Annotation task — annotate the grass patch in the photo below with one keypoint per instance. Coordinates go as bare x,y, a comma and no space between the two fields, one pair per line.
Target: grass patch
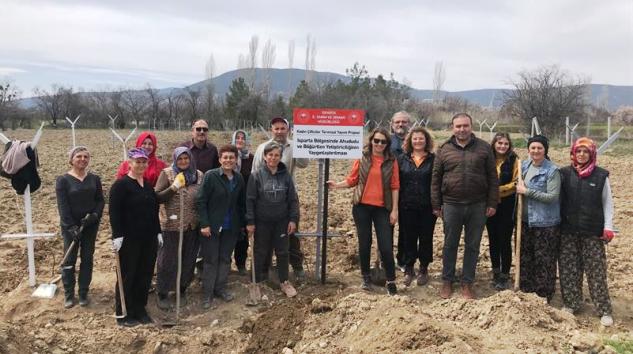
621,346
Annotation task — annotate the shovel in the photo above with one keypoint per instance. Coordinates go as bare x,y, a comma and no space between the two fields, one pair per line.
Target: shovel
378,274
119,278
48,290
254,293
179,271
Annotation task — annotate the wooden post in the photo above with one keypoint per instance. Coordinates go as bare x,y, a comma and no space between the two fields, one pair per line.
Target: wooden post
517,243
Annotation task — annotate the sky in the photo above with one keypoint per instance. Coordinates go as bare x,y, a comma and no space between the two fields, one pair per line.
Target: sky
101,44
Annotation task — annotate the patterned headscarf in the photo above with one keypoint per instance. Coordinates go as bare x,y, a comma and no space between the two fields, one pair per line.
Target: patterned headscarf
191,175
243,153
585,169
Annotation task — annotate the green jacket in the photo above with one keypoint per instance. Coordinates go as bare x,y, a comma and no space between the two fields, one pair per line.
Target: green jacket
215,198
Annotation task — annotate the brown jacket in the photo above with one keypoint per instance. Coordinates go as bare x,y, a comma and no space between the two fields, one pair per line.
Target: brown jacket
464,175
171,200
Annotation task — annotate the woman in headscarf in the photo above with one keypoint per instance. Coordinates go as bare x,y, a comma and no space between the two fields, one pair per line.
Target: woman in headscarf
136,235
146,141
501,225
180,180
586,226
243,166
541,218
80,202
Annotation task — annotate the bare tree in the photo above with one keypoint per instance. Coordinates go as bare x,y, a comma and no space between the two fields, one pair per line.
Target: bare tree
268,60
252,61
549,94
439,77
51,102
192,102
174,107
154,105
291,59
136,102
8,96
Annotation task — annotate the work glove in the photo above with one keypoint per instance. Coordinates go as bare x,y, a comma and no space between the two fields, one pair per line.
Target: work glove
179,182
117,243
607,235
90,219
74,232
159,237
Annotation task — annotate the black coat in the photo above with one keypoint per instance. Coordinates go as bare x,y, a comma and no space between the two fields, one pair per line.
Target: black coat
415,182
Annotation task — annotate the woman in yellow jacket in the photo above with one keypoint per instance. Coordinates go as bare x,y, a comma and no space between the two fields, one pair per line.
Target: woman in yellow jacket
501,225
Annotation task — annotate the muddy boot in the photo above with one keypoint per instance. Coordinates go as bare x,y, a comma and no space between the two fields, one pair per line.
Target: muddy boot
447,289
467,291
69,300
423,276
366,284
391,288
163,302
503,283
241,270
288,289
496,273
83,299
409,275
207,302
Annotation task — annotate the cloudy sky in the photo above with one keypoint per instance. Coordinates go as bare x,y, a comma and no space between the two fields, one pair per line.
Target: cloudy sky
100,44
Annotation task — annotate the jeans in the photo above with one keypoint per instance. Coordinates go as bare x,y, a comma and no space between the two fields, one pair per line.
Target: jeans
269,236
500,228
472,218
86,249
216,254
364,215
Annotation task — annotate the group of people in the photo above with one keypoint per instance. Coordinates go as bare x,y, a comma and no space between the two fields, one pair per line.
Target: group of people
470,184
221,198
217,199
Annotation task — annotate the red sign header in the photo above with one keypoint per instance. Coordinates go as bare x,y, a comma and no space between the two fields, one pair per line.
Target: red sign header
325,116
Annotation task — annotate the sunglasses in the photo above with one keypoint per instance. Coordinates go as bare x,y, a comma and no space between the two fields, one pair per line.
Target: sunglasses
379,141
202,129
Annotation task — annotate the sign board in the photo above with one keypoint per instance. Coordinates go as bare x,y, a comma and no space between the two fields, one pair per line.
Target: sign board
328,133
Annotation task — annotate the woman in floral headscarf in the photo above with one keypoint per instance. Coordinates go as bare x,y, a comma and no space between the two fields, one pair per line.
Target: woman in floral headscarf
586,226
243,166
146,141
179,179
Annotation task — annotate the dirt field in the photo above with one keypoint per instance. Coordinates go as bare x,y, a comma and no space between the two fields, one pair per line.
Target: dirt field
334,318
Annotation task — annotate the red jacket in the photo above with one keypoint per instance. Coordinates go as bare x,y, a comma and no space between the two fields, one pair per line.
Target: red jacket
154,165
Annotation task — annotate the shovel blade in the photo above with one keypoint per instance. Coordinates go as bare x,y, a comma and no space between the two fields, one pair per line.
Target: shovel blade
254,295
45,291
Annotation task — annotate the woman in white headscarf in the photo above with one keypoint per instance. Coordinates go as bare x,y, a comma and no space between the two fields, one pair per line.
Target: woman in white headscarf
244,164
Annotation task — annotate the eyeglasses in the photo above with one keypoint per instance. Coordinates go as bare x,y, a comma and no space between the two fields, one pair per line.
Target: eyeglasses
379,141
202,129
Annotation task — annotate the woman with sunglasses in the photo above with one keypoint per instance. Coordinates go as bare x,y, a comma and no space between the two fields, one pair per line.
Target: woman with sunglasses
146,141
586,226
376,180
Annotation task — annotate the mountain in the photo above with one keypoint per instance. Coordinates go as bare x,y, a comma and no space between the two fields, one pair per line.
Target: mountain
284,82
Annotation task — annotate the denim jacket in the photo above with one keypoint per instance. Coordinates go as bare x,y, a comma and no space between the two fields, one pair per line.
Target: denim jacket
543,207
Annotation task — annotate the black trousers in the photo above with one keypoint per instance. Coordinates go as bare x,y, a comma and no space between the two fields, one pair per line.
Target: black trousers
241,250
500,228
364,216
86,250
269,236
137,256
216,255
416,232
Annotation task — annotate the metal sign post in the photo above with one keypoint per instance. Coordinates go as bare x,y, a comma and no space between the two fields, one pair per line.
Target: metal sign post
72,126
536,128
113,126
491,128
30,235
609,141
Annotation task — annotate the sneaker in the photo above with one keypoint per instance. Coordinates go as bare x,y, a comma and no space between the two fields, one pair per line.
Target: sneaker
163,302
225,295
69,301
145,319
606,320
423,276
207,302
391,288
567,309
402,267
288,289
83,300
409,275
127,322
366,284
502,282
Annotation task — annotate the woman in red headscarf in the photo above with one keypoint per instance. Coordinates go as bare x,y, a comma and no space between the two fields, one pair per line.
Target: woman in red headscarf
586,226
147,142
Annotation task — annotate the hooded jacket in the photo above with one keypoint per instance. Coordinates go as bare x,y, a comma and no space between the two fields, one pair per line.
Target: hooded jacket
271,197
154,165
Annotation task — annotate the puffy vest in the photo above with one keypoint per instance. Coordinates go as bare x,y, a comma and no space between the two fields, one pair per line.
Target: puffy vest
386,173
581,201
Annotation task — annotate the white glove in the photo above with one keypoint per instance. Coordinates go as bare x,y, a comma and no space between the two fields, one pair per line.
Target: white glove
159,237
117,243
179,182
